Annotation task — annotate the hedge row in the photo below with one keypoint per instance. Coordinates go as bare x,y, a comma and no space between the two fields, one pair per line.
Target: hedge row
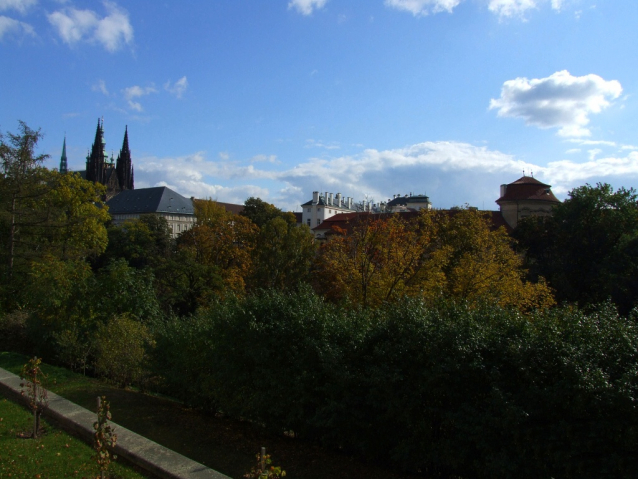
448,391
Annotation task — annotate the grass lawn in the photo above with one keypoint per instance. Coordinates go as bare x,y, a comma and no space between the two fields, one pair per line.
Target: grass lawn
226,445
54,454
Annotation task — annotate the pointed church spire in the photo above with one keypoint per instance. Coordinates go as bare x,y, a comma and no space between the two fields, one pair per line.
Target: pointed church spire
63,162
125,164
96,159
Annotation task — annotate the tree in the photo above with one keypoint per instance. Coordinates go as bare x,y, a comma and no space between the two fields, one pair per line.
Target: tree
260,212
21,185
142,242
588,248
223,241
483,266
429,254
122,345
378,260
283,255
43,213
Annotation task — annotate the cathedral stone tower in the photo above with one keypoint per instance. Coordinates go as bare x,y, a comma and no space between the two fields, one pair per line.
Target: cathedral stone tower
124,166
116,176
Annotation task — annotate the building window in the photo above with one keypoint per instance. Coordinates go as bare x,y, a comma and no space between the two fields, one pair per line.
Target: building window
308,221
309,210
329,212
318,222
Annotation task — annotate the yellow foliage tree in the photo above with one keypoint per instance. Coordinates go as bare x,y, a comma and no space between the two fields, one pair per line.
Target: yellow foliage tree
432,254
222,240
378,259
482,266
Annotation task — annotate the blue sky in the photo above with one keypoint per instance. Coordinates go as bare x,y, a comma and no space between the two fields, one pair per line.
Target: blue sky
227,99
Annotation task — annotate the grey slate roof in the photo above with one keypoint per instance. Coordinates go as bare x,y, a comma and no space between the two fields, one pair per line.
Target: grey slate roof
159,199
403,200
321,202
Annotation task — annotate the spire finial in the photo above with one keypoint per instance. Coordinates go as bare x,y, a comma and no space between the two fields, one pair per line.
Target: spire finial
63,160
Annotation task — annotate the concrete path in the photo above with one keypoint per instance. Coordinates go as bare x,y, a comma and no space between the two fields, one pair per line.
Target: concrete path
146,454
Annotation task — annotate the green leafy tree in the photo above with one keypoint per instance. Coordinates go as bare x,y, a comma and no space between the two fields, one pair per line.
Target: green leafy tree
588,248
20,188
142,242
261,212
283,255
122,346
43,214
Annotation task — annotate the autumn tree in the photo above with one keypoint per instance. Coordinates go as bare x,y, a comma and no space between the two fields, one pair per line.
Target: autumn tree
382,258
481,264
376,259
222,241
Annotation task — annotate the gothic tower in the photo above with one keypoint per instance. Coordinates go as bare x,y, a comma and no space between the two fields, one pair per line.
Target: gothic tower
116,176
124,165
96,160
64,167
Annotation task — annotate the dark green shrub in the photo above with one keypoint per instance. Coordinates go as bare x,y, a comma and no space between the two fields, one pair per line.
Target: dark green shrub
446,390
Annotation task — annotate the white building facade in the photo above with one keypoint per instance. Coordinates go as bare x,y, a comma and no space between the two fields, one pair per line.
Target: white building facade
322,207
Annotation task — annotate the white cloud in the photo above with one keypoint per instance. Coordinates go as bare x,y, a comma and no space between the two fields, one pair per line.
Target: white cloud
571,151
310,143
178,88
511,8
502,8
306,7
19,5
264,159
566,174
10,26
592,142
133,92
518,8
423,7
558,101
557,4
101,87
111,31
594,153
450,173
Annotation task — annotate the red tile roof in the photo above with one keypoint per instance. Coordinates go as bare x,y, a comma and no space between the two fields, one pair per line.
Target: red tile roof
347,221
528,188
231,208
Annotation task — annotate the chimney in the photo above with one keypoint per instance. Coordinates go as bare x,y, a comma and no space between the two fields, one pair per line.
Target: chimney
503,190
330,199
315,197
338,198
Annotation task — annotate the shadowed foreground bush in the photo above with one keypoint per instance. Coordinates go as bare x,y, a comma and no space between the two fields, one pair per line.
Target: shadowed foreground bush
479,393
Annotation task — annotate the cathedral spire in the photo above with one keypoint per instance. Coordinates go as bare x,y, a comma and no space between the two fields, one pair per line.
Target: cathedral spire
96,159
63,161
125,164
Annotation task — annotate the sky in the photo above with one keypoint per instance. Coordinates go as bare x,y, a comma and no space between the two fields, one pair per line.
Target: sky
228,99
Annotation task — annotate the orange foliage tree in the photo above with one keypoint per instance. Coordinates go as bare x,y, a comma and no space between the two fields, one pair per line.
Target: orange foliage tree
432,254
